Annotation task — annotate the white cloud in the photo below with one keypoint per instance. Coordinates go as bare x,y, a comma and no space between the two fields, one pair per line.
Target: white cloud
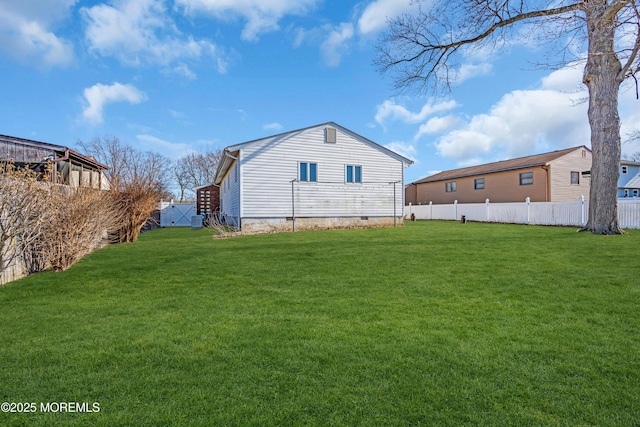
523,122
184,70
99,95
437,125
26,34
140,32
336,43
403,148
262,16
375,15
166,148
390,110
468,71
272,126
629,118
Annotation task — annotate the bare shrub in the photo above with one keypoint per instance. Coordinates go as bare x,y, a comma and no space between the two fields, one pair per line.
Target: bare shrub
77,224
219,229
22,201
138,181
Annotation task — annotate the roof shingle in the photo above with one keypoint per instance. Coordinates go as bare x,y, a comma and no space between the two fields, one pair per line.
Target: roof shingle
504,165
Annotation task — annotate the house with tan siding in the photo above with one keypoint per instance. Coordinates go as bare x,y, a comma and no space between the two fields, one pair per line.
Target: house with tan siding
549,177
323,176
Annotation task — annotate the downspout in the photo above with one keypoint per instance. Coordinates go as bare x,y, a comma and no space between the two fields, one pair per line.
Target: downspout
547,190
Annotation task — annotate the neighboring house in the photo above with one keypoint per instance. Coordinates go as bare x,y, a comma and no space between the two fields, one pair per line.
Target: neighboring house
629,182
207,199
548,177
71,167
323,176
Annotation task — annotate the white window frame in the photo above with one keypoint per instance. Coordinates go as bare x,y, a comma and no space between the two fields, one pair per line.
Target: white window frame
353,177
307,167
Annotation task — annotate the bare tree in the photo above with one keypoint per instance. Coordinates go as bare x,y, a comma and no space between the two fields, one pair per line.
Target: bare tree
181,175
138,180
422,49
196,169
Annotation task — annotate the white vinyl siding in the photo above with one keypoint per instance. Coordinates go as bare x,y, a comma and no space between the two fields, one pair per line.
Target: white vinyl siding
270,167
230,196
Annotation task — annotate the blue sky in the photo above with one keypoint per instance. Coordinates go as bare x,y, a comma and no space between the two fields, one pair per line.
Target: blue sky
178,75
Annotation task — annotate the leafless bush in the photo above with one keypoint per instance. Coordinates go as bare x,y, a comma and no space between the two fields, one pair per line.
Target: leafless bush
137,180
219,229
77,225
22,201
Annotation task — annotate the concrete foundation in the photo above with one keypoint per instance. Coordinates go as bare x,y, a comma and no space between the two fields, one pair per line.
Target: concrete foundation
252,225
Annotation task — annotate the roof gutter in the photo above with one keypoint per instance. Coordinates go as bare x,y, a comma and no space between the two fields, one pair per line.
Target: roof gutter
223,167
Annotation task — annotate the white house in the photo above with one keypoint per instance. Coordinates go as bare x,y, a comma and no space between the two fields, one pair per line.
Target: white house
323,176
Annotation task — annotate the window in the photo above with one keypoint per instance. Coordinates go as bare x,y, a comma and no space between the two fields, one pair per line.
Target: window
353,173
626,193
526,178
478,184
308,172
450,187
635,193
624,169
575,178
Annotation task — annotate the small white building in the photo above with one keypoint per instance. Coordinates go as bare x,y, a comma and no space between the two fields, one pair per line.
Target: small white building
323,176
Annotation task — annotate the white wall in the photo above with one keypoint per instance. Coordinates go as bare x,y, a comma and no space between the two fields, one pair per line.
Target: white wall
230,195
269,166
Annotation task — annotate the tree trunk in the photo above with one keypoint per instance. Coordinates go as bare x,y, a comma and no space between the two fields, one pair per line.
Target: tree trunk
602,77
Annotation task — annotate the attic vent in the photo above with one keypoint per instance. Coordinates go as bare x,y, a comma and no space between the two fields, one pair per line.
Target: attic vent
330,135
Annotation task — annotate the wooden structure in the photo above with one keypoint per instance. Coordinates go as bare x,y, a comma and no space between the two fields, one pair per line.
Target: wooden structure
71,168
207,200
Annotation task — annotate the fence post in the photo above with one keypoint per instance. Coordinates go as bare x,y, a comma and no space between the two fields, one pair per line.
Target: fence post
455,210
528,207
486,202
582,210
430,210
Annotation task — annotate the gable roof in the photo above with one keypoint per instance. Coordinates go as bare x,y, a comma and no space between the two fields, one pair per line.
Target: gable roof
231,152
633,182
501,166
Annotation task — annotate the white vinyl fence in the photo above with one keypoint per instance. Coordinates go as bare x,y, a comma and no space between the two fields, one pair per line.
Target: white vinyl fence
176,214
535,213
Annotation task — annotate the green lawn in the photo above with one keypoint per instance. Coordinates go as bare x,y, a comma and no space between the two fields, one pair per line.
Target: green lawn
434,323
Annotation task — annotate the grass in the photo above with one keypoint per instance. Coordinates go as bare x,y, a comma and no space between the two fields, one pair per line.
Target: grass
434,323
